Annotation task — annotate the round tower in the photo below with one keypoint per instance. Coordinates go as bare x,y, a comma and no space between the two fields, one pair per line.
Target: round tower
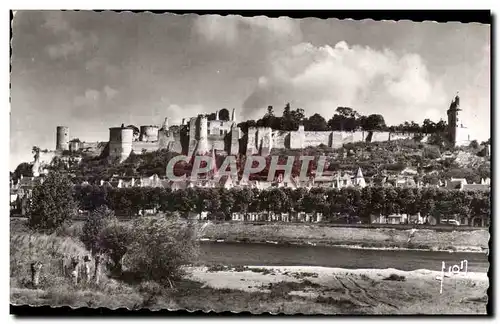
120,142
203,140
62,138
457,133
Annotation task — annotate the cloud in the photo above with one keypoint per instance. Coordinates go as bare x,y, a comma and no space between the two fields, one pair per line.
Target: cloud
69,40
110,92
176,113
319,79
90,97
229,30
93,97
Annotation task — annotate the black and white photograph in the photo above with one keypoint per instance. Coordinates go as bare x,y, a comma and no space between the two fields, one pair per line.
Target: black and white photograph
254,164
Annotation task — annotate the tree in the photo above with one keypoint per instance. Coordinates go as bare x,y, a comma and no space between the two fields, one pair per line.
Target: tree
428,126
93,226
52,203
374,122
114,240
474,144
291,118
23,169
315,123
160,248
438,139
345,119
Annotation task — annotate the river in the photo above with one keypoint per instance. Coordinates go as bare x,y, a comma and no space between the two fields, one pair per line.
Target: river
336,257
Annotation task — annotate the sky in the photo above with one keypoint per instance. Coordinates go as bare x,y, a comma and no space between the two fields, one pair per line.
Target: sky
91,71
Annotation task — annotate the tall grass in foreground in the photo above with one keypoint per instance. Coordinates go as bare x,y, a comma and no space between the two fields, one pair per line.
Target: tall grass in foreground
53,252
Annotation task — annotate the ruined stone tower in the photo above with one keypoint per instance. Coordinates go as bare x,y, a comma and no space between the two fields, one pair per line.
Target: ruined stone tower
62,138
120,142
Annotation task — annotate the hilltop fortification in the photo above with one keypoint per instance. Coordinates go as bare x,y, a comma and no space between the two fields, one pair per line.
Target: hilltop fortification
220,132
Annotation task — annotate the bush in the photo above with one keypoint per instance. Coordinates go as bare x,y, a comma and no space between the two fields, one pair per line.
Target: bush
395,277
114,240
160,248
52,203
93,225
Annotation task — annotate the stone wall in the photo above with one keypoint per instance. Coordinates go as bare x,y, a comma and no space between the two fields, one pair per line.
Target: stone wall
170,141
281,139
216,142
234,141
317,138
399,136
380,136
219,127
138,147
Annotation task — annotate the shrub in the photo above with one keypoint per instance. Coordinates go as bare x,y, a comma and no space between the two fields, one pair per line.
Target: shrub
395,277
93,225
114,241
160,248
52,203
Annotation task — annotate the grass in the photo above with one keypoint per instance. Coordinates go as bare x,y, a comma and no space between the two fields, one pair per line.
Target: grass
346,294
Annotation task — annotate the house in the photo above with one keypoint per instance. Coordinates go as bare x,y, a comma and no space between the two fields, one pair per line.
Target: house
409,172
455,183
447,155
389,219
278,217
359,180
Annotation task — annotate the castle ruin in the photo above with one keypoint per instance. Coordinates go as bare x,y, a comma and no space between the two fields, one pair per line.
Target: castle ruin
203,133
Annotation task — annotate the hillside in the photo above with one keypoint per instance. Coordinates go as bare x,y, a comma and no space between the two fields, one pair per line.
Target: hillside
394,156
431,162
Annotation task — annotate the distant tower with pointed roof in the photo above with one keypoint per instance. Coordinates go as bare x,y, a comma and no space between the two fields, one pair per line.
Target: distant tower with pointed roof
457,133
359,180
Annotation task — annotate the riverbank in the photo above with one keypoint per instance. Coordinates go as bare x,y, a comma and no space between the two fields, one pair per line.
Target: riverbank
289,290
361,238
322,290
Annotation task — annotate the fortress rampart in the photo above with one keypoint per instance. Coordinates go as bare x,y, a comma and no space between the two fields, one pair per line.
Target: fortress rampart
200,135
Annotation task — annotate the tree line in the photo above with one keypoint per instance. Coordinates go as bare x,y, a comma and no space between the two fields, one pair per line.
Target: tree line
220,202
344,119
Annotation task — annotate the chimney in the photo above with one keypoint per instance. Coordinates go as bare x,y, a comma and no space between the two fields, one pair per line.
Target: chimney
182,123
216,115
233,115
